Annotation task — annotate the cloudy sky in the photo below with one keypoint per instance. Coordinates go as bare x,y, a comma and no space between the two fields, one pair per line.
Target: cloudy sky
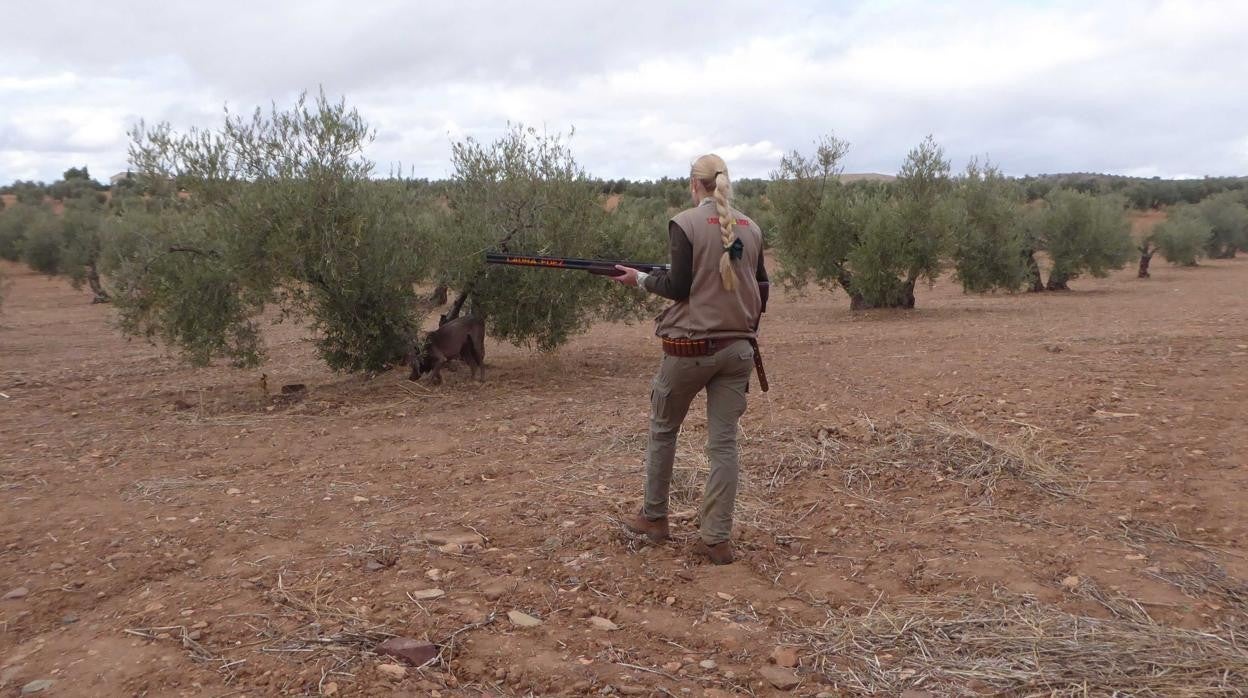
1138,87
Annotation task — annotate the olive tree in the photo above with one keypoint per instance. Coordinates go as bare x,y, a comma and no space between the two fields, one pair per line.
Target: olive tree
43,243
907,233
1184,236
816,223
987,245
279,210
81,226
1081,233
874,243
69,244
17,223
1228,221
525,193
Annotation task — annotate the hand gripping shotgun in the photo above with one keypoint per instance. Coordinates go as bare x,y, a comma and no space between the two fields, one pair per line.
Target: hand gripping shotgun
606,267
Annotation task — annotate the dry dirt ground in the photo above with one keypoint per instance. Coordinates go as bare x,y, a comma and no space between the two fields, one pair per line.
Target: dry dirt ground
1019,495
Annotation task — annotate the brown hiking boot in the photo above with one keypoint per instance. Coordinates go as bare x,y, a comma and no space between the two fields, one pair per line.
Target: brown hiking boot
720,553
655,530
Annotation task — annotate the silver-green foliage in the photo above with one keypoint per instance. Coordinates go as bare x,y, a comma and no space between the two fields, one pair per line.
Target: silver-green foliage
81,226
1227,217
279,210
987,249
1184,236
815,226
42,239
906,238
1084,234
525,193
876,243
68,244
17,223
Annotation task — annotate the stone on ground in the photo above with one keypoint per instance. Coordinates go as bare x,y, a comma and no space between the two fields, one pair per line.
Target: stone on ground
412,651
781,678
523,620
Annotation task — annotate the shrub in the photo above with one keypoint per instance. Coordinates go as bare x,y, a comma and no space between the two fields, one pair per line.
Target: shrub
1228,221
1083,234
43,244
1184,236
987,245
16,222
874,242
815,227
525,193
81,227
281,210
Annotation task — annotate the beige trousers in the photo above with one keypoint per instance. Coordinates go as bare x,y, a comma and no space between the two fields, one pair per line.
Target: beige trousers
725,375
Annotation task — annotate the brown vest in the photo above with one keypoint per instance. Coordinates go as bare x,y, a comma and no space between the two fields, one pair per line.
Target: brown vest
712,311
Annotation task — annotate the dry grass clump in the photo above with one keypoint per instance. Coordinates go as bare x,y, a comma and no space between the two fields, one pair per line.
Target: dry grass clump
325,622
966,454
1209,579
1121,606
618,439
1140,533
689,474
1011,645
777,457
769,459
761,474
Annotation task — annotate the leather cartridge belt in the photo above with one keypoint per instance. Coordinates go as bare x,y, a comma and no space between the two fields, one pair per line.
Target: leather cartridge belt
697,347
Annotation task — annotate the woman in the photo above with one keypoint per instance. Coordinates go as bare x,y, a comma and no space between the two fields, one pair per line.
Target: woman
718,283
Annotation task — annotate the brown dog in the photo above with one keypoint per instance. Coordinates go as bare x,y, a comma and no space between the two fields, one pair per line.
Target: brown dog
462,338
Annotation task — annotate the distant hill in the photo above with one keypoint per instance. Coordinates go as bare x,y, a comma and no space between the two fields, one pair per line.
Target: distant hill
1102,177
866,177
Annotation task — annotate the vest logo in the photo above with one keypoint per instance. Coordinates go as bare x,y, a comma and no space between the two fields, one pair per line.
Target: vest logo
714,220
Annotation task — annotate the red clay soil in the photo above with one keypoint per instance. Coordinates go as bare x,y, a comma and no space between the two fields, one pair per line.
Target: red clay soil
175,531
1143,222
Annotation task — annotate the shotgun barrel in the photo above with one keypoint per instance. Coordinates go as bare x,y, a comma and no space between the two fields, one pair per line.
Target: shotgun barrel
602,267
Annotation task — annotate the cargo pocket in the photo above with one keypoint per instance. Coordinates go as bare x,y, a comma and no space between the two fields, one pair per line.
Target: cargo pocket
746,359
745,365
660,401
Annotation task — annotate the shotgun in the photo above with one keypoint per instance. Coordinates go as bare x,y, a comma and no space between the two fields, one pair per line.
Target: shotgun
601,267
606,267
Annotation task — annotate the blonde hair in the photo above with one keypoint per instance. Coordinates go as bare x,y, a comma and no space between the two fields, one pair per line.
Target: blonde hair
712,172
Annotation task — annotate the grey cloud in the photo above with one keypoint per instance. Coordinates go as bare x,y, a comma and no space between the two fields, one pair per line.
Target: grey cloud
287,46
1146,86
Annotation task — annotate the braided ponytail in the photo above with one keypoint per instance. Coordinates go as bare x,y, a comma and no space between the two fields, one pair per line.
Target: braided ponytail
726,223
712,172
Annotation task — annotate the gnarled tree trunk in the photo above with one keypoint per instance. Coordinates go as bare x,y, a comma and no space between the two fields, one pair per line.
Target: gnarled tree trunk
1057,282
904,299
97,288
1033,272
1146,256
